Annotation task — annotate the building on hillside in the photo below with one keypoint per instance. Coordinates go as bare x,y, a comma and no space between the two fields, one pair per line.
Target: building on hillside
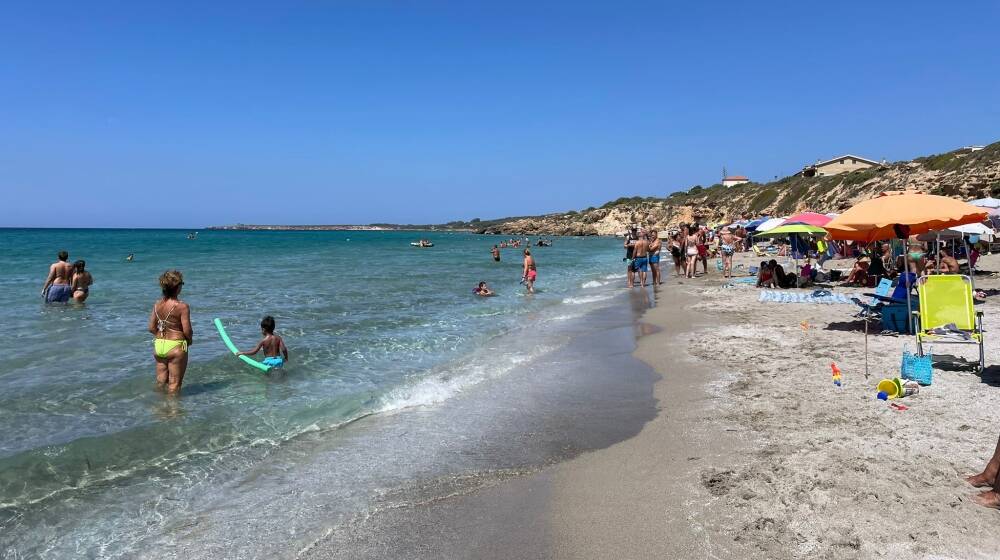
842,164
733,180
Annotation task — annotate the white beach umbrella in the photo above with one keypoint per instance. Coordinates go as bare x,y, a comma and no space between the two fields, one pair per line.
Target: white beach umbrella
771,224
985,233
988,202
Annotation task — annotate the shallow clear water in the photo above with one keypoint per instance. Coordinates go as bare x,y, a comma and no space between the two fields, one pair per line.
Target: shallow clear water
92,460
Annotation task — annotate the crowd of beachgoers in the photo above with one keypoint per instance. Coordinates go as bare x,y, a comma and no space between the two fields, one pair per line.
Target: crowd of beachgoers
693,246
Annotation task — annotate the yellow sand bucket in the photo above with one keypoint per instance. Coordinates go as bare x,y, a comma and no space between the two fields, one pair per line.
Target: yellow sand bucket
891,387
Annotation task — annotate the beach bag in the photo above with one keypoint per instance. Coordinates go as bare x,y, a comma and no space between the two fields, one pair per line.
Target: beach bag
916,368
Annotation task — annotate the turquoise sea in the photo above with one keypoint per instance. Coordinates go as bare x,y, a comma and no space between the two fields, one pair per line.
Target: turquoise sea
389,349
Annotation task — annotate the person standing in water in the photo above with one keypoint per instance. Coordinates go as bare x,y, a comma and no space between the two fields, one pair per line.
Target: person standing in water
170,324
640,255
630,238
655,243
57,285
81,281
275,351
496,253
530,273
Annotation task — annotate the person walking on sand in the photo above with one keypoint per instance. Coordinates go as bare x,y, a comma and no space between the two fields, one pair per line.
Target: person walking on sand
170,324
727,245
495,251
703,247
57,287
655,244
530,273
81,281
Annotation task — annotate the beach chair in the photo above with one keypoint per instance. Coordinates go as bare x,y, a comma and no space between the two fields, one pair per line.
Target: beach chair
947,314
757,251
872,309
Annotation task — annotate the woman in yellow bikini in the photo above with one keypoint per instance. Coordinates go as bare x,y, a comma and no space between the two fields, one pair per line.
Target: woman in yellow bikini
170,323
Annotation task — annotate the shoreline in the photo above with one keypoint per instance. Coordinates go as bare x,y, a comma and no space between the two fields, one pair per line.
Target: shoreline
634,499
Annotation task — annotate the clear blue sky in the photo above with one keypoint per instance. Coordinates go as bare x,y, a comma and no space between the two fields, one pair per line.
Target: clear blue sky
202,113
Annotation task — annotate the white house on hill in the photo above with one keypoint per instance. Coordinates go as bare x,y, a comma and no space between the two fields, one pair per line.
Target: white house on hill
841,164
734,180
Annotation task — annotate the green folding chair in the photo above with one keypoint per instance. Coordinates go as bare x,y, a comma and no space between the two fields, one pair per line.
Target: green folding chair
946,299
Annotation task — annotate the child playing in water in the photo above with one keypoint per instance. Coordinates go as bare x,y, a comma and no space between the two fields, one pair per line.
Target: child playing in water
483,290
275,352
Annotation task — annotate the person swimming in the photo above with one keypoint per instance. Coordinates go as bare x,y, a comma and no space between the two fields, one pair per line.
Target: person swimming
483,290
275,351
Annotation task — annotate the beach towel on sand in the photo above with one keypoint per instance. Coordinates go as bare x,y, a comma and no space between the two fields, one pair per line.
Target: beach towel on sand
778,296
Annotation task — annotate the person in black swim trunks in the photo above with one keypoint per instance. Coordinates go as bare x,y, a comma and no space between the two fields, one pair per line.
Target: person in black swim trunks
496,253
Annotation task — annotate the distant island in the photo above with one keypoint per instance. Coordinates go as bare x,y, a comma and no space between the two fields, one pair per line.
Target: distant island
475,225
331,227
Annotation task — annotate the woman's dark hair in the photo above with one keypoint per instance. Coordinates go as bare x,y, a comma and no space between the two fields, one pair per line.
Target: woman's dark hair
79,266
481,284
267,323
171,282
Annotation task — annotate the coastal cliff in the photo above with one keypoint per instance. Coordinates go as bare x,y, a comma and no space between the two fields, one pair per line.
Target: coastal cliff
963,173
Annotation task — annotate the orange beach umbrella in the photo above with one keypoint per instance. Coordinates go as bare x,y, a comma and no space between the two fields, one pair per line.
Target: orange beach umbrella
898,215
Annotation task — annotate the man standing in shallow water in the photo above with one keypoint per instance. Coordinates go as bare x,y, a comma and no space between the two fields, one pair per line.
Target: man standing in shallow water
57,285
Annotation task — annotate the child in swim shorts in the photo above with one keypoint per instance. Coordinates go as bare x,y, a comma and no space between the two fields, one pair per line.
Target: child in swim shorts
275,352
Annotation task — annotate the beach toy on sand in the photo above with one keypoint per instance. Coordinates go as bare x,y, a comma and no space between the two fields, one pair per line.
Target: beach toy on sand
837,377
890,388
804,325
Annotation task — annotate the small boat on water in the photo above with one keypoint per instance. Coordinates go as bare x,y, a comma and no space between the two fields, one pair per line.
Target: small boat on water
422,243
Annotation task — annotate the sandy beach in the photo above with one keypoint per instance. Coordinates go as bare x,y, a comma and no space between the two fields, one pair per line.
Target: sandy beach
756,453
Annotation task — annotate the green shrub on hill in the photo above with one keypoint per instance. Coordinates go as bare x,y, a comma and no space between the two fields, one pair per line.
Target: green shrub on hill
763,199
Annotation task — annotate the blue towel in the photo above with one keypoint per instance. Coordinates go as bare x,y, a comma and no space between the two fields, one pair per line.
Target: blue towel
778,296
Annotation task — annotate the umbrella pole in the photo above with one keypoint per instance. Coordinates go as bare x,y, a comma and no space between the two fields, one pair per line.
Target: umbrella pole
937,253
972,271
909,308
866,346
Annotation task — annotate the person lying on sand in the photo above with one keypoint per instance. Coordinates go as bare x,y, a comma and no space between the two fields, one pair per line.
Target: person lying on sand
990,477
